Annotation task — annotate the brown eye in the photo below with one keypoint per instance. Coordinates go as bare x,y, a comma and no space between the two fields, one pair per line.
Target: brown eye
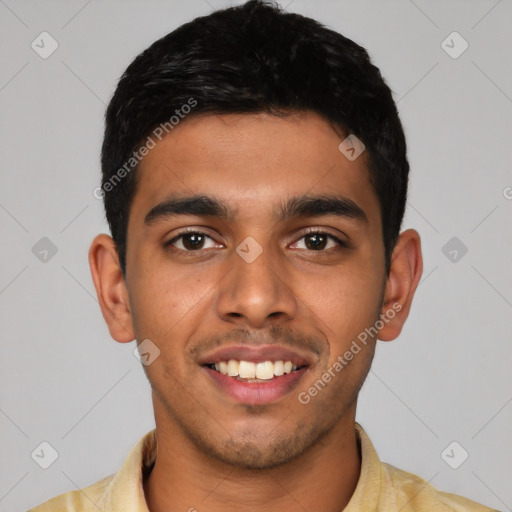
190,241
316,241
319,241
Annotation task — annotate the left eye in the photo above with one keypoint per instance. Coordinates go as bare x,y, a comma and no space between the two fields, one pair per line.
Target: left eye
316,240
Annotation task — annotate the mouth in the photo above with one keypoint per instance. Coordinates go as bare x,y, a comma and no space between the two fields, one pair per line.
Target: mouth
256,375
248,371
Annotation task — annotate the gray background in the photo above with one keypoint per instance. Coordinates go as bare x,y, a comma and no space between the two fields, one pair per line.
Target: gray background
447,378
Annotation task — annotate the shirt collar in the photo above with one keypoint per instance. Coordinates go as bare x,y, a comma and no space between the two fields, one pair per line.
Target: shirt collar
367,494
126,490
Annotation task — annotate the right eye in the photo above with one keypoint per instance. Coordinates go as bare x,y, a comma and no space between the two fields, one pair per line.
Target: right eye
189,241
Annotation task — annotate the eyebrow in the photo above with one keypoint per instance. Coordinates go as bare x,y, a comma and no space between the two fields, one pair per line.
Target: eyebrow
297,206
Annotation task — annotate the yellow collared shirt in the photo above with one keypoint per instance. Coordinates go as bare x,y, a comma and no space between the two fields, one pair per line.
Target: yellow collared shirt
381,487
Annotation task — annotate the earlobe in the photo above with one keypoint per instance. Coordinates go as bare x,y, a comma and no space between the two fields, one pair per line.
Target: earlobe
111,288
404,276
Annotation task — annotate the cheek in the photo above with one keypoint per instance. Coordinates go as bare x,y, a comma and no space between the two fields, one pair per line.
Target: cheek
165,300
155,307
345,301
348,306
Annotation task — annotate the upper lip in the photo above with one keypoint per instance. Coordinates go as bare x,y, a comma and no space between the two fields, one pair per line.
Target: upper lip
257,354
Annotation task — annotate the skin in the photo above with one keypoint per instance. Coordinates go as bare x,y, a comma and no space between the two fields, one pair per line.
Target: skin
213,452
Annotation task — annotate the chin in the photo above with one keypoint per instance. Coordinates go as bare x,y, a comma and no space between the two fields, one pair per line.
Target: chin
252,456
262,449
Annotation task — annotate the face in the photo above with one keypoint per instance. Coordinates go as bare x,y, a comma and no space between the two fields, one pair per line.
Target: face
256,272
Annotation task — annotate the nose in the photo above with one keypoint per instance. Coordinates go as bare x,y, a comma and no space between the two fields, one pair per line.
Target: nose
256,293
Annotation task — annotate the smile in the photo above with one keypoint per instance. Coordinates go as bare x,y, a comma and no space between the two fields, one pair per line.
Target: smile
253,383
249,371
256,374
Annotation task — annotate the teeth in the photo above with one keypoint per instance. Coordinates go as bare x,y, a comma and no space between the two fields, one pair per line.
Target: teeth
265,370
223,367
232,368
278,368
247,370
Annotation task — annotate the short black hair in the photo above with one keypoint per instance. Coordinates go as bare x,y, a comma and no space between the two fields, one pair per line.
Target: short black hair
252,58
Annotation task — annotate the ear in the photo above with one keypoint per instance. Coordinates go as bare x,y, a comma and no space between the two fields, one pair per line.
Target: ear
111,288
404,276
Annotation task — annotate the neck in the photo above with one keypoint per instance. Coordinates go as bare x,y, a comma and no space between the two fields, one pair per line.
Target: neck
323,478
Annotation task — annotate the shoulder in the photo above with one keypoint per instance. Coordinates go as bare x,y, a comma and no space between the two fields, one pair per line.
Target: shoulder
84,500
411,493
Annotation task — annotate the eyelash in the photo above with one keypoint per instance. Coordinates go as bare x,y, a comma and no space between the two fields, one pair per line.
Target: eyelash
311,231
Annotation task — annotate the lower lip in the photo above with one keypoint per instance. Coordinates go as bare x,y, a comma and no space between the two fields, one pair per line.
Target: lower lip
257,393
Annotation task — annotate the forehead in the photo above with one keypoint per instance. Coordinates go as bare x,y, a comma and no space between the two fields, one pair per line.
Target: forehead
252,162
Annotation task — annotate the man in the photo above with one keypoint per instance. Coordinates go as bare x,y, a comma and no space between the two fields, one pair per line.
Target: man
255,180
